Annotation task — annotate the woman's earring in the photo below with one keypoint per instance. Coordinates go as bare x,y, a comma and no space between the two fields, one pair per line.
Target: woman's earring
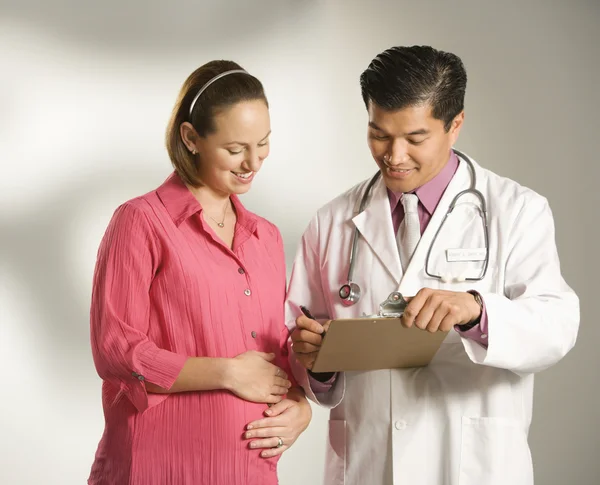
193,150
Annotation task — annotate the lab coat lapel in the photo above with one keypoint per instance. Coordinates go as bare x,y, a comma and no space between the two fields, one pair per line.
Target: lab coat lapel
412,280
376,228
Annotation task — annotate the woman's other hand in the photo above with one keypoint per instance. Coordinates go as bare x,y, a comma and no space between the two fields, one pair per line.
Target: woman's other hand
285,422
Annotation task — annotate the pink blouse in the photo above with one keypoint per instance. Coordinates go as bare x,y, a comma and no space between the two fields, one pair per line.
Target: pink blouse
166,288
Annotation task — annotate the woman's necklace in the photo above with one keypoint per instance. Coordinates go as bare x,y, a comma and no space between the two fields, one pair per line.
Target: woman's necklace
222,223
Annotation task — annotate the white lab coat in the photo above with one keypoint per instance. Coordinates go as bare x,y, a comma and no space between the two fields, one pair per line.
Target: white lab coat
464,419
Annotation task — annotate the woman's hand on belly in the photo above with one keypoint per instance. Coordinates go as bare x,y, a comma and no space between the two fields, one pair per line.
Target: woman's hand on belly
252,377
286,421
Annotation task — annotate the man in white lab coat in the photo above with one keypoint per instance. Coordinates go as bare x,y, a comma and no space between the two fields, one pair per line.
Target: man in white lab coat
463,419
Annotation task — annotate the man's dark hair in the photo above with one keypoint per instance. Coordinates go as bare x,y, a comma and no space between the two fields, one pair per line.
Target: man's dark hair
401,77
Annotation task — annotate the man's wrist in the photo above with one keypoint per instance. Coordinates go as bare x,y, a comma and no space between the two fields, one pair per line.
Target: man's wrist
469,325
321,376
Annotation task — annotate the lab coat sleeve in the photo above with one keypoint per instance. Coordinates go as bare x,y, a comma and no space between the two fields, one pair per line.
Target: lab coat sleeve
534,323
306,289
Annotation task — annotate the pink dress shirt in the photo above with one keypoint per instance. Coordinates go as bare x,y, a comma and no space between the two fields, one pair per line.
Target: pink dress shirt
166,288
429,195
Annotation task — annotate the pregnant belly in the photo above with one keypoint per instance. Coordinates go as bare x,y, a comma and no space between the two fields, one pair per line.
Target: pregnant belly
214,416
201,434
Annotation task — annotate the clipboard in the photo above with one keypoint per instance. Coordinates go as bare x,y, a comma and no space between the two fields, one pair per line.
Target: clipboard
377,342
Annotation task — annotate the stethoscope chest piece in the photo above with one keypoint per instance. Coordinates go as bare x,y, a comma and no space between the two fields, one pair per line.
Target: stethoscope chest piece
349,294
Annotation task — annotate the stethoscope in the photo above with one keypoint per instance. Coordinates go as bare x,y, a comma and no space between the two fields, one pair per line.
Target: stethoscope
350,292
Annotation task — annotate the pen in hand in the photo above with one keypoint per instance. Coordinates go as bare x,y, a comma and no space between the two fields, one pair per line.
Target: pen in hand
322,377
307,314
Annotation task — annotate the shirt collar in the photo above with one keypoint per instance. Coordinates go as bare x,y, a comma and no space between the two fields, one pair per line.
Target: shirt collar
180,203
430,193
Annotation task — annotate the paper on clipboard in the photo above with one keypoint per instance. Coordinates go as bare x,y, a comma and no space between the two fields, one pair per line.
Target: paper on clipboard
380,342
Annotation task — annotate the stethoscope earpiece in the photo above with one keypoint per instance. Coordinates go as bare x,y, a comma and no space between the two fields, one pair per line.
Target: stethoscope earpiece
452,279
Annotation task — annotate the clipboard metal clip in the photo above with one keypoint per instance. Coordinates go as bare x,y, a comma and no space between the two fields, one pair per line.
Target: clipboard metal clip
393,307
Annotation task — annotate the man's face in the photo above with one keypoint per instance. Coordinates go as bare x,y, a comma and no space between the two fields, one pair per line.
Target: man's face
409,145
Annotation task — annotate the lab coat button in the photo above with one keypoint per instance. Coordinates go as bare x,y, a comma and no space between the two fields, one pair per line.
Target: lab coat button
241,270
400,424
253,333
247,292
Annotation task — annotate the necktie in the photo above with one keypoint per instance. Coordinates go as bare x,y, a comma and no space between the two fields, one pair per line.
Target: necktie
409,231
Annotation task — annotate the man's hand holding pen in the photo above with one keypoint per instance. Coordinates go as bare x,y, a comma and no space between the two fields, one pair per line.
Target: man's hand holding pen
307,338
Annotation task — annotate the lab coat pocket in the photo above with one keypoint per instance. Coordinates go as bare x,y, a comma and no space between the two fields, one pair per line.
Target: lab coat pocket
335,464
494,451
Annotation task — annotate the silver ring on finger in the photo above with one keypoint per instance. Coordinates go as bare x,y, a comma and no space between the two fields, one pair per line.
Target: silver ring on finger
277,372
279,442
